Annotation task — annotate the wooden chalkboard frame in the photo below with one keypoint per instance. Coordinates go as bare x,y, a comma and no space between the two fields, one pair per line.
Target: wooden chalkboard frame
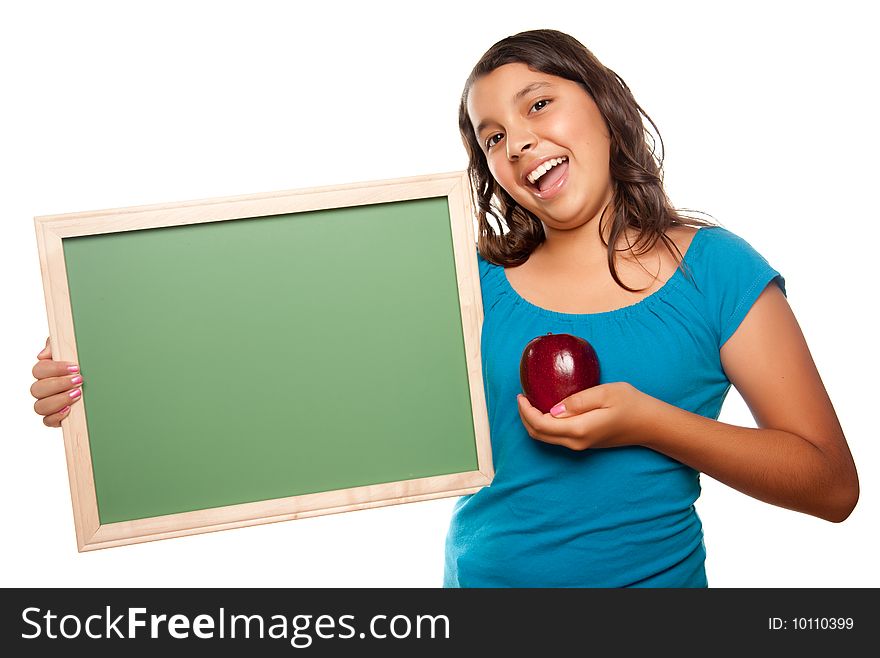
53,229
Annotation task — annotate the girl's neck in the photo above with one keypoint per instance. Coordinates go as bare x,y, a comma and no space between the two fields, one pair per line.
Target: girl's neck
581,248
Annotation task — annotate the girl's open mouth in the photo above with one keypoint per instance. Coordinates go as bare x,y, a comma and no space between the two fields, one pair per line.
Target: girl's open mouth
551,183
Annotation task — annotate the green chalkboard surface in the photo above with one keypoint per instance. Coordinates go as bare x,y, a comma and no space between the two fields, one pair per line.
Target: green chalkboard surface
271,357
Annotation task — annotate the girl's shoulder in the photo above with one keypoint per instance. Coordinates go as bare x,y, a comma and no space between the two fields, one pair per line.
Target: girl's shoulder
711,237
717,246
484,265
490,273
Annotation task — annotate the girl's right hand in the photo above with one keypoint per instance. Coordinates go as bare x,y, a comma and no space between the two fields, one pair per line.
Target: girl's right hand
57,387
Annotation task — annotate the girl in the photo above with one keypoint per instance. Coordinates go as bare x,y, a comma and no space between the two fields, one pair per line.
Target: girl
600,492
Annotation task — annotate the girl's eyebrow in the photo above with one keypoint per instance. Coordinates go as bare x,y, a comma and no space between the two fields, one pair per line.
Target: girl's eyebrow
525,91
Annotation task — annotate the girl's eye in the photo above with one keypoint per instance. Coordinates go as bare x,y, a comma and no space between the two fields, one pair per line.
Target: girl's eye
542,103
491,141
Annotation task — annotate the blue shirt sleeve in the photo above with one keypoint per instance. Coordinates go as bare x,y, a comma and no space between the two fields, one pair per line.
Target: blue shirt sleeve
731,276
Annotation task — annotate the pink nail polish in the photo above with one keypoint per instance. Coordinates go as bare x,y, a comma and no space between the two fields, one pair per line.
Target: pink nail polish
64,411
76,380
558,409
75,393
72,369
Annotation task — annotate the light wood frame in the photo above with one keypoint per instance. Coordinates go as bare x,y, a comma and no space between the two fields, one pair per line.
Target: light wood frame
52,229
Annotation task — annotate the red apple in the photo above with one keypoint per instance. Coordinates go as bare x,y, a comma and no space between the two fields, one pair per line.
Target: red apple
554,366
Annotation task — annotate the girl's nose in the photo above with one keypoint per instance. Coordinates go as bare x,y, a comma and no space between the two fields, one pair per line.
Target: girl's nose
519,142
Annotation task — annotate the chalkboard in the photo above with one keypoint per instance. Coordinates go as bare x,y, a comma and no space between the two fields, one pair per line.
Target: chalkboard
268,357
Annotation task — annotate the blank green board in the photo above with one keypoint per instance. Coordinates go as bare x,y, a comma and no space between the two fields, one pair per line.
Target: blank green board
247,360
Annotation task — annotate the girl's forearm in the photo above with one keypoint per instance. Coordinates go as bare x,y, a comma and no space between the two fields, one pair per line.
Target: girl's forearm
771,465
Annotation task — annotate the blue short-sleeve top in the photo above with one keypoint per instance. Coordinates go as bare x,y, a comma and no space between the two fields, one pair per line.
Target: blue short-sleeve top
616,517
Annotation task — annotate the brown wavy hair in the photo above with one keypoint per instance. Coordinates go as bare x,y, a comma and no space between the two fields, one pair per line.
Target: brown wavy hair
639,201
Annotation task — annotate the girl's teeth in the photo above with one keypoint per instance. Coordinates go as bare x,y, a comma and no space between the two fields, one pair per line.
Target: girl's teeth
544,168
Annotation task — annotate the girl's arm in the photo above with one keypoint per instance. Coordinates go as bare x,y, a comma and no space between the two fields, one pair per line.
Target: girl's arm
797,458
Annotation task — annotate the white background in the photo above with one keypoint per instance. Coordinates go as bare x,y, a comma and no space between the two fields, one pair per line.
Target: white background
767,110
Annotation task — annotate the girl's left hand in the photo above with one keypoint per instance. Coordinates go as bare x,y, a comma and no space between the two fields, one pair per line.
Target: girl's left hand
604,416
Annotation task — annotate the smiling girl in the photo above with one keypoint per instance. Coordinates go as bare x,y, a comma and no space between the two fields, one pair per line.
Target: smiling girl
600,492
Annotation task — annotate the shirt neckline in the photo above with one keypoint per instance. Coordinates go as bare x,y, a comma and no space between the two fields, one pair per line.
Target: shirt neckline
653,298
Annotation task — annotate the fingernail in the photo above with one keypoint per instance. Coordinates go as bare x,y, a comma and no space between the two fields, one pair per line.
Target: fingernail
76,380
558,409
64,411
72,369
75,393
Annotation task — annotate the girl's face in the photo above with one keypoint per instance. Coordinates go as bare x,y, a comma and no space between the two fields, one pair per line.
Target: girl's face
531,123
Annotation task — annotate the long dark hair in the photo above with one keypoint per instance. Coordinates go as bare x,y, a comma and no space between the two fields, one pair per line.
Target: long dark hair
639,201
